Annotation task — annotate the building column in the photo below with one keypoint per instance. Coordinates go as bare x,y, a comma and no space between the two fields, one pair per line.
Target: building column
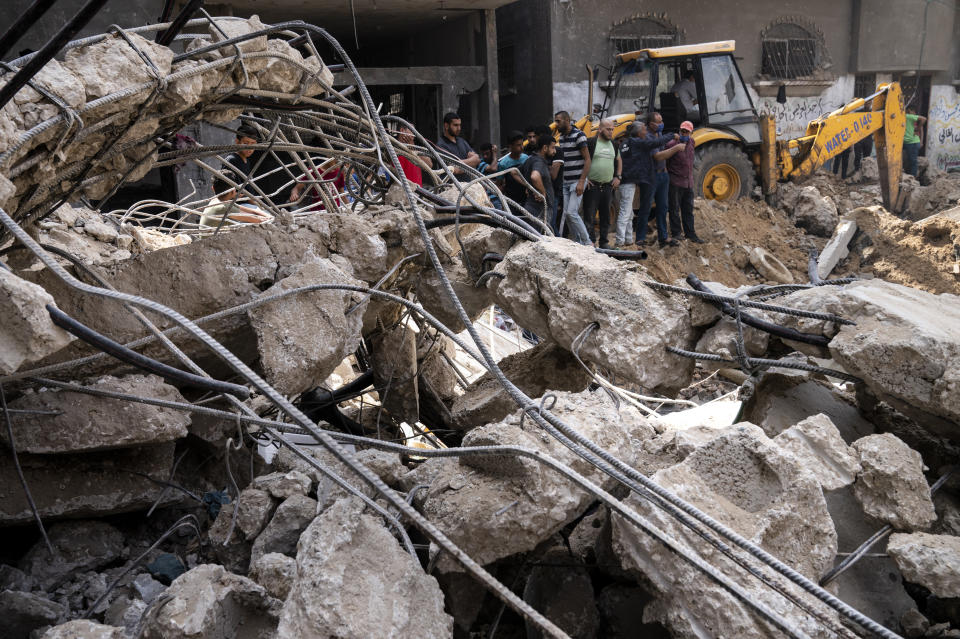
490,105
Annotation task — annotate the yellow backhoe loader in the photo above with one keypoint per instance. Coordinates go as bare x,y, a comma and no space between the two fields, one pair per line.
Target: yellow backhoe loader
736,146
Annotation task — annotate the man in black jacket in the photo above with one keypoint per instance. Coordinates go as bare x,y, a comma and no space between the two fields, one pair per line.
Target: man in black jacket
636,150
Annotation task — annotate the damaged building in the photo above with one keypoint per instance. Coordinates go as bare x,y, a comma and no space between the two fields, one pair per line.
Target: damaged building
336,402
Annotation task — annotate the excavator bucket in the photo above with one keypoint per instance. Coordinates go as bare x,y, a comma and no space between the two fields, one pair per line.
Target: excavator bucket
889,143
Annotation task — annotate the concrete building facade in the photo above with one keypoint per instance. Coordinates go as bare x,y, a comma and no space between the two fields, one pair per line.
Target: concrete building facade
824,52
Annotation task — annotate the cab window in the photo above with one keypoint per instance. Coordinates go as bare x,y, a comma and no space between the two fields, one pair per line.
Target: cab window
727,100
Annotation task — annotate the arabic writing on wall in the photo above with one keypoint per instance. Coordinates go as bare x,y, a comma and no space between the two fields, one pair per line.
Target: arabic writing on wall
943,128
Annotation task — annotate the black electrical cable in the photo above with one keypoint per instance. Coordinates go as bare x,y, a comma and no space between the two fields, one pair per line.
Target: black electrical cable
50,49
619,254
23,24
769,327
166,38
142,362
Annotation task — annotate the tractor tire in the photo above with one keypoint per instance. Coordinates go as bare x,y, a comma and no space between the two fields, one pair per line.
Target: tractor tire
719,169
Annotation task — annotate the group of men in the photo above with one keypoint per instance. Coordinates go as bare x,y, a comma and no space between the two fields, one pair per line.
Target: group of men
575,179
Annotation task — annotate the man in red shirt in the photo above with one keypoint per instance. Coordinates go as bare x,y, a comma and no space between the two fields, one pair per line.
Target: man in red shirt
410,170
680,168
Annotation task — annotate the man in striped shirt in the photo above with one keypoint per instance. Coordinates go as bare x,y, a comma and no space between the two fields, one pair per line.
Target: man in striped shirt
572,148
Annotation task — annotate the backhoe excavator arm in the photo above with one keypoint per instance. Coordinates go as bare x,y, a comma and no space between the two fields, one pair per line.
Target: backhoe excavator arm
880,115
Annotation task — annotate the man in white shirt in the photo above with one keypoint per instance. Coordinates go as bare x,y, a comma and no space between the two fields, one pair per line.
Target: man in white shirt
686,91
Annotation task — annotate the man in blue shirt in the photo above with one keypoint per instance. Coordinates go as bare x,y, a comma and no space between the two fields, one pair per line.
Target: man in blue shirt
513,187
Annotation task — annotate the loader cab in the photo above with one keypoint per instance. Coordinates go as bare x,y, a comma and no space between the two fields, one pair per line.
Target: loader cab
726,124
722,99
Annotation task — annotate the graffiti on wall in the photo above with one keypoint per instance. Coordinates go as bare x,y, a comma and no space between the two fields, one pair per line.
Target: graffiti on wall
943,128
792,117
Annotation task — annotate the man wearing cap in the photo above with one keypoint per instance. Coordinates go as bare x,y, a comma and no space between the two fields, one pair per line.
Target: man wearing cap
680,168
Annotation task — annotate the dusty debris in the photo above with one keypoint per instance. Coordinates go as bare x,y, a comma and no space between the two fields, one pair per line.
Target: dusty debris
74,422
820,472
746,481
891,486
814,212
535,371
79,546
27,334
817,444
932,561
518,502
342,558
556,290
208,601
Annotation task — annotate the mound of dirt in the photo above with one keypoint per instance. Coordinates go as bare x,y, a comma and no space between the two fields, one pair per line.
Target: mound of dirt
730,230
918,254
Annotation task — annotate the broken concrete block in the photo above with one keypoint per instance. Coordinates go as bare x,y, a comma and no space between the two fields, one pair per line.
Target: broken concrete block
101,231
891,485
232,552
275,572
281,534
228,28
327,491
814,212
745,481
24,612
357,240
394,363
836,249
285,76
905,344
562,591
27,333
779,399
329,595
112,65
254,509
15,579
535,371
80,546
914,624
147,587
88,423
237,266
932,561
84,629
85,484
434,300
301,339
208,601
385,465
556,288
283,485
720,339
817,444
518,502
125,612
702,312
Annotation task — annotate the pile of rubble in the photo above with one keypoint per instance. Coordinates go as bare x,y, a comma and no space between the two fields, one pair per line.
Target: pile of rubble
269,432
